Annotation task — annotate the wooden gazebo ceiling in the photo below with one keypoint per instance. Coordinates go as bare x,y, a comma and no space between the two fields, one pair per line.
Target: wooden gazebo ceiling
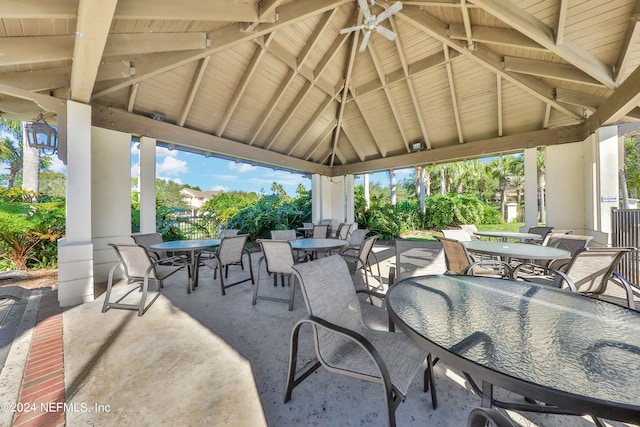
274,82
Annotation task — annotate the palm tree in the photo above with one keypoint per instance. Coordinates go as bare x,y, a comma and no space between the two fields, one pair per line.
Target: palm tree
12,154
499,169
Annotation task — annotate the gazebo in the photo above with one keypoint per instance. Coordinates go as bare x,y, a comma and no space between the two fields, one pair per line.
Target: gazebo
277,83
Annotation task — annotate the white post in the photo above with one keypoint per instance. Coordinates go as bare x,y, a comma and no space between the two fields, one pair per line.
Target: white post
530,187
147,185
75,251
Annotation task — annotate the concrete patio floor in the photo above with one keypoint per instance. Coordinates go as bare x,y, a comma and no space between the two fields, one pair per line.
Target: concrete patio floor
205,359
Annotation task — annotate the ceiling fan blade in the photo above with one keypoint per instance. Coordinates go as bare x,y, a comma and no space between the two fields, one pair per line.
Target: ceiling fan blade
390,11
386,32
364,7
350,29
365,40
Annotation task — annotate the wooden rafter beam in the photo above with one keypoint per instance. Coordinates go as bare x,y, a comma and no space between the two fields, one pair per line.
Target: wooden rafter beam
320,140
498,36
584,100
410,86
312,41
538,31
111,118
196,80
345,133
562,20
310,124
547,69
499,102
266,13
133,93
367,122
222,39
92,31
466,19
289,113
622,101
53,78
469,150
454,96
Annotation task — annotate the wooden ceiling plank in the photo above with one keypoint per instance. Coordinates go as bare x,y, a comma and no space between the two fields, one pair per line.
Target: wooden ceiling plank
454,96
39,80
35,9
394,108
26,50
631,39
141,43
92,31
241,87
356,148
310,124
623,100
275,99
326,133
562,20
499,36
107,118
437,3
288,115
410,86
469,150
369,125
483,56
552,70
133,93
536,30
331,53
198,75
221,40
313,40
115,70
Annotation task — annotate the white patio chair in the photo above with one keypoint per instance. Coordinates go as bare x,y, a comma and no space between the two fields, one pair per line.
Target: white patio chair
320,231
279,260
139,267
229,253
459,234
283,235
344,344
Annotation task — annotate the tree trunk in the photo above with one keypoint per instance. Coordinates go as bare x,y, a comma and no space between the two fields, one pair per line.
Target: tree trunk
543,209
367,199
30,167
423,206
392,179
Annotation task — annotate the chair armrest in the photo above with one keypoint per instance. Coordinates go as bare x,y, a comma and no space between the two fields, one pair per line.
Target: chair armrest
546,271
357,338
479,417
371,293
492,264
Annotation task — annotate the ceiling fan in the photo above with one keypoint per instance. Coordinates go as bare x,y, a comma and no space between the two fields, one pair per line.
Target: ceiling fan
371,22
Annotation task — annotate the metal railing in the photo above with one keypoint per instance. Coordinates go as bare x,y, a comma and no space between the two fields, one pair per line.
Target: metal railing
625,225
197,227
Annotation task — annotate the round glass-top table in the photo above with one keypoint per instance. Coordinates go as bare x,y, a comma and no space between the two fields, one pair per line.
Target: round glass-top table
509,250
192,247
504,235
577,354
317,245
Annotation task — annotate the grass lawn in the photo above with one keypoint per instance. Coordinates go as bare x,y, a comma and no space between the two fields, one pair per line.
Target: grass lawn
430,234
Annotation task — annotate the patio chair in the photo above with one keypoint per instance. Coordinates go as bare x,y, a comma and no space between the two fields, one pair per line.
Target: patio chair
570,242
360,260
148,239
471,229
459,261
229,253
479,417
344,344
355,239
459,234
227,232
320,231
279,260
542,231
343,230
588,273
416,258
139,267
283,235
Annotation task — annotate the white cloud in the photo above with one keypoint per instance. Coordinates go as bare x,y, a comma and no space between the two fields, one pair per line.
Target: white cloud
165,152
171,166
135,149
241,167
134,170
57,165
166,178
219,188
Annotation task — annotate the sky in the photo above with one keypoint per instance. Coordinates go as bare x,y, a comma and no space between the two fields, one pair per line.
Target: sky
212,173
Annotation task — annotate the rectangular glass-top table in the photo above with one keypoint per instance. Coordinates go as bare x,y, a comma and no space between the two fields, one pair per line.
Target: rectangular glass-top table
577,354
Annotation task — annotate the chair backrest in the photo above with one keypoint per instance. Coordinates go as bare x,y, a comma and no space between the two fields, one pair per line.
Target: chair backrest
134,259
283,234
456,256
365,249
470,228
591,268
329,293
357,237
307,224
569,242
320,231
343,230
460,235
231,249
543,231
278,255
417,258
147,239
227,232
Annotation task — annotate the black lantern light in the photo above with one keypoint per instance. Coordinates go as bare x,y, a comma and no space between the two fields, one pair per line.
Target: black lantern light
42,136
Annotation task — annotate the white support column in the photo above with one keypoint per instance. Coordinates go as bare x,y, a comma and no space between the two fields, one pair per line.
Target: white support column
332,198
75,251
607,184
530,187
111,204
349,196
565,180
147,185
